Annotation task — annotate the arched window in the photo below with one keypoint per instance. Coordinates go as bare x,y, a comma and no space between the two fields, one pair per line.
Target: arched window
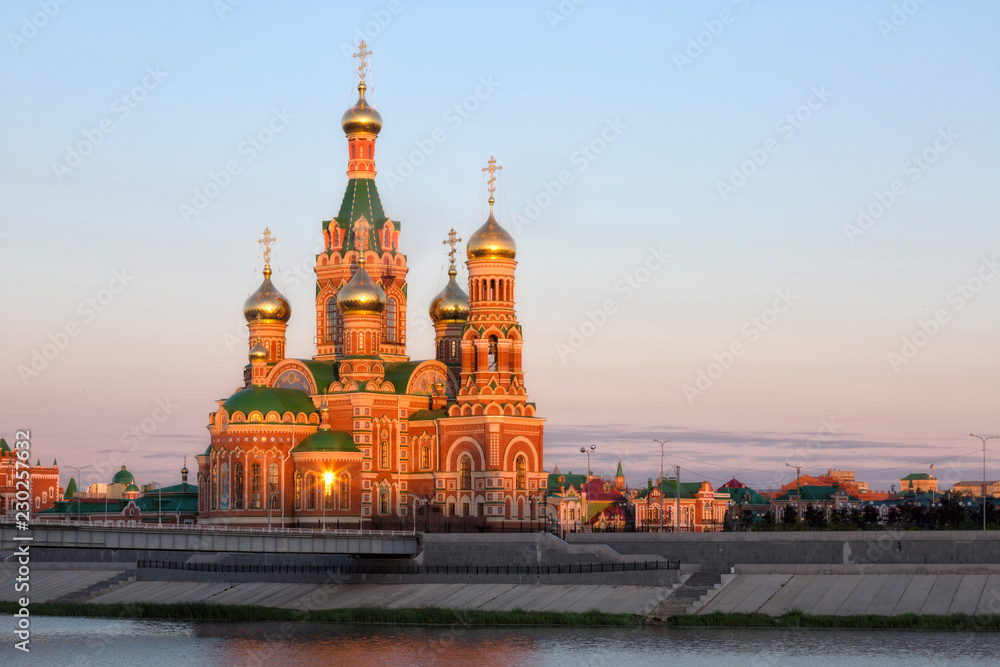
298,490
492,354
454,347
465,473
345,491
425,457
384,450
521,471
383,503
310,491
334,321
390,319
493,290
239,486
224,493
328,492
255,486
272,485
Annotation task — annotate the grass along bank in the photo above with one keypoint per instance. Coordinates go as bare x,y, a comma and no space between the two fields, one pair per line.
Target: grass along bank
201,611
796,619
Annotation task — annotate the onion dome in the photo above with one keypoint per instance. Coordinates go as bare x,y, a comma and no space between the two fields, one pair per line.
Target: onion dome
258,352
491,241
123,476
452,304
132,488
267,303
362,117
361,295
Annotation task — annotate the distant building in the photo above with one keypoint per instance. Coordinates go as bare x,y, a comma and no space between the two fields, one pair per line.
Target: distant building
827,498
976,488
920,482
846,477
702,509
43,484
122,503
744,498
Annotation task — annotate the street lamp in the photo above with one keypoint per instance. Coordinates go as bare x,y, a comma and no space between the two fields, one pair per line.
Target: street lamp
798,485
990,437
586,500
327,481
80,477
662,443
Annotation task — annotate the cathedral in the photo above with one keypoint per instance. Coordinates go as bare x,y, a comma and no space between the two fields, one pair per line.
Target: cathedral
360,430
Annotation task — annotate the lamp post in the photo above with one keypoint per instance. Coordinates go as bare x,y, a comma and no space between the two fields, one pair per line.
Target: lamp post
798,486
327,481
586,494
80,477
662,443
989,437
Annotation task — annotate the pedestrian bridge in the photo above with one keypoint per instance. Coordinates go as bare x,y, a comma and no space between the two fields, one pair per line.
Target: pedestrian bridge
213,539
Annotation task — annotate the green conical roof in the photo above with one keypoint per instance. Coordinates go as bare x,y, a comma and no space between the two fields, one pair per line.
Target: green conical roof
70,488
3,446
55,463
619,473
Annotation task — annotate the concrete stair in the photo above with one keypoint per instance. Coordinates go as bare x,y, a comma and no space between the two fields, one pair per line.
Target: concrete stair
101,587
690,596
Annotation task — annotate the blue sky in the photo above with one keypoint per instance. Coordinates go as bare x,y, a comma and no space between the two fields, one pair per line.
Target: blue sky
645,114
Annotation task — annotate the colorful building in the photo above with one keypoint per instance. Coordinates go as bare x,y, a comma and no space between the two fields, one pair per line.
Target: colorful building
360,430
42,482
701,508
975,489
582,502
921,482
122,503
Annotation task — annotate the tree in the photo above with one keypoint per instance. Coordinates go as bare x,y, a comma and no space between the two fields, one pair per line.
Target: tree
814,517
789,516
869,516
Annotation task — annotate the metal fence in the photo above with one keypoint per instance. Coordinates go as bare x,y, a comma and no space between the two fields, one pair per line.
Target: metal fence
412,568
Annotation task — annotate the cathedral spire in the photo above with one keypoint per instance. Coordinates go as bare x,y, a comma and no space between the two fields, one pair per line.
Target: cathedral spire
492,167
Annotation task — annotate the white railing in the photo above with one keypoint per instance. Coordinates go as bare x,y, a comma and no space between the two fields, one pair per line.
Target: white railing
203,528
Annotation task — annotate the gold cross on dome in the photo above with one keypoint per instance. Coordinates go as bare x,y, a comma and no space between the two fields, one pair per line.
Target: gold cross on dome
452,240
267,240
362,56
492,167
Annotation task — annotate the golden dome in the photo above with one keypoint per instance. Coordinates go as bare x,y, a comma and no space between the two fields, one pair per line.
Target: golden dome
361,295
267,303
452,304
258,352
362,117
491,241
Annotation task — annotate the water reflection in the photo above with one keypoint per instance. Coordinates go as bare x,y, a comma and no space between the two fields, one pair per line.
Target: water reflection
79,641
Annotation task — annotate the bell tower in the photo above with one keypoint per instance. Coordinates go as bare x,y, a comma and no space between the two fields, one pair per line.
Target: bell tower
492,381
361,214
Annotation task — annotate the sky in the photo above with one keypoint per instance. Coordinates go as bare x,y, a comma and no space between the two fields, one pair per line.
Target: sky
766,232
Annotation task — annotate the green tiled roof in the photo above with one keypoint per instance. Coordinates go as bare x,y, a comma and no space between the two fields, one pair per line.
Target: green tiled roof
327,441
426,415
568,479
745,495
399,373
123,476
324,373
361,198
668,488
176,488
619,473
266,399
918,475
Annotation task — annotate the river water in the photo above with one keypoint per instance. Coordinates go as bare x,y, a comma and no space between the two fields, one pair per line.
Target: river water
133,643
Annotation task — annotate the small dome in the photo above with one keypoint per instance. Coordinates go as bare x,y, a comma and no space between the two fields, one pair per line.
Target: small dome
362,117
491,241
452,304
267,303
132,488
258,352
123,476
361,295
